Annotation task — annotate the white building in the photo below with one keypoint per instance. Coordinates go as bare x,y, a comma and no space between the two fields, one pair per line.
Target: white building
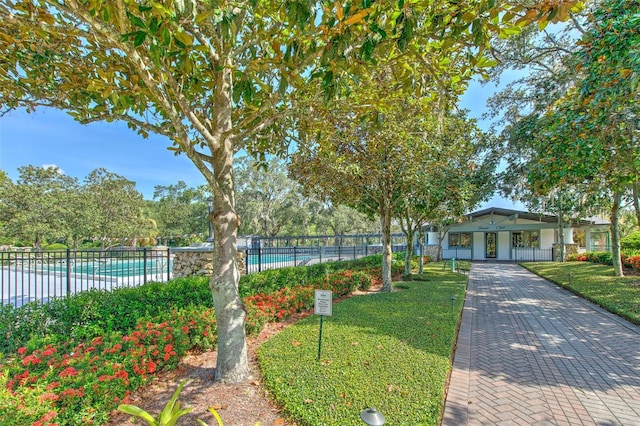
511,235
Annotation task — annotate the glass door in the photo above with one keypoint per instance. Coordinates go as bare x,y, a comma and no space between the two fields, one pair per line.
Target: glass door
490,250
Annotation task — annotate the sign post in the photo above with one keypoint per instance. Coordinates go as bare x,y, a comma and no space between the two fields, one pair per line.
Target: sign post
323,306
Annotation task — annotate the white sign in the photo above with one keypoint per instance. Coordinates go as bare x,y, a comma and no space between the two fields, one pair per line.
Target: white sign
323,302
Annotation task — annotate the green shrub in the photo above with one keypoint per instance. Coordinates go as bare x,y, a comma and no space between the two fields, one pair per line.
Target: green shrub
602,257
272,280
81,382
95,313
631,241
55,246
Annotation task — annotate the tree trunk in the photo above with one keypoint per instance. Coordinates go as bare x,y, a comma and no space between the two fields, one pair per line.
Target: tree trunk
636,203
409,253
615,234
232,362
232,365
561,235
420,252
385,225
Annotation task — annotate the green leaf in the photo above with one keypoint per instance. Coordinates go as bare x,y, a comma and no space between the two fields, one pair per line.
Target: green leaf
171,412
509,31
138,412
136,21
140,37
216,415
184,39
282,87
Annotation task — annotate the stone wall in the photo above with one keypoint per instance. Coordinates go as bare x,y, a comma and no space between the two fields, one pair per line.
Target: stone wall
432,251
568,249
197,261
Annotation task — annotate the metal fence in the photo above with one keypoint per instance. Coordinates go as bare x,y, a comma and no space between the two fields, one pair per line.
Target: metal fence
262,258
41,275
29,276
518,254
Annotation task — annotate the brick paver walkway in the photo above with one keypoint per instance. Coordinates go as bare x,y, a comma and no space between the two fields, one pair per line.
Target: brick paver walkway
530,352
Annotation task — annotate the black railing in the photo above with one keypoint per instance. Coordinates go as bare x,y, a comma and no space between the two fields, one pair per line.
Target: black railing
259,259
518,254
41,275
28,276
531,254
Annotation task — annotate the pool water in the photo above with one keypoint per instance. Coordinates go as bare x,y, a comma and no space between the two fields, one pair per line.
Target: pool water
116,268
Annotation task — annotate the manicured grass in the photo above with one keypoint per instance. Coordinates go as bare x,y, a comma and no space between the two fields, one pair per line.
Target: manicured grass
597,283
390,351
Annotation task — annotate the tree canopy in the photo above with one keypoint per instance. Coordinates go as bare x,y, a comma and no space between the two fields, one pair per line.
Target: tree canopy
584,136
215,77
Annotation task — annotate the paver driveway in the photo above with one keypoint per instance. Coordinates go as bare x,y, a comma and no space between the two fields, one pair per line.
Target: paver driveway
530,352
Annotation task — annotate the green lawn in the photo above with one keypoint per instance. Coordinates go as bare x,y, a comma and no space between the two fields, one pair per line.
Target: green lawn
390,351
597,283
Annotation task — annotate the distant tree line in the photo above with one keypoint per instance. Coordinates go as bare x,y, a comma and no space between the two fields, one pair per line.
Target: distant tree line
44,207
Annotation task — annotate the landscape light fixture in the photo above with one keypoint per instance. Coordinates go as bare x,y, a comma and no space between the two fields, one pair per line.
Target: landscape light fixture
210,206
372,417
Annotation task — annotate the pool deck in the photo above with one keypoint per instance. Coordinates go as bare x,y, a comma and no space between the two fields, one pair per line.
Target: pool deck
532,353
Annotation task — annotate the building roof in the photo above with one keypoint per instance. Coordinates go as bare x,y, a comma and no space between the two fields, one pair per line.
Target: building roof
540,217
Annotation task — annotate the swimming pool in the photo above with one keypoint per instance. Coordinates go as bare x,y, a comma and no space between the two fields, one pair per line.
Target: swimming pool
112,267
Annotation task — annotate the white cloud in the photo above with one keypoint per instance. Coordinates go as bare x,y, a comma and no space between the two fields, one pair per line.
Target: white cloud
53,166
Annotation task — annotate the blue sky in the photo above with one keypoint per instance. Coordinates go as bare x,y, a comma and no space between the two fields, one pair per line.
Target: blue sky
51,137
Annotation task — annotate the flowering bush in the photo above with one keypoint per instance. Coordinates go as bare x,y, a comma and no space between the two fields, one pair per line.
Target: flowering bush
631,261
628,260
79,381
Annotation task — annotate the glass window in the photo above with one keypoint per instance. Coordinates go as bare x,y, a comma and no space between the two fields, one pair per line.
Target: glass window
460,239
525,239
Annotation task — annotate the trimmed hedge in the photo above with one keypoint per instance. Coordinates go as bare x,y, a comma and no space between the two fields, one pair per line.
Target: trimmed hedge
96,313
630,259
631,241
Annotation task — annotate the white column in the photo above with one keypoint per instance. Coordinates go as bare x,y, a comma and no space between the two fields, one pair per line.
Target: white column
432,238
568,235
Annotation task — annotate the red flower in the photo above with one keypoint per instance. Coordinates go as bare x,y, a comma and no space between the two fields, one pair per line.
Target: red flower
69,371
151,366
49,397
49,351
45,419
52,385
22,351
73,393
30,359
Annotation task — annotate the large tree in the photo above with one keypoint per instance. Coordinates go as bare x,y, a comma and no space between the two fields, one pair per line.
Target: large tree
267,198
369,158
114,208
40,206
180,211
587,137
213,77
